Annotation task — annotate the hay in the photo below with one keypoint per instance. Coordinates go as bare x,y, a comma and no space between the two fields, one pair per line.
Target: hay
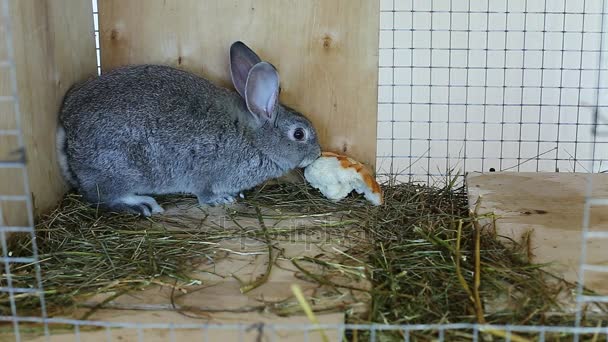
420,253
424,252
82,253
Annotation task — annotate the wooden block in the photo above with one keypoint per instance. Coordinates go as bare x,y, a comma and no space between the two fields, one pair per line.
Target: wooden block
551,206
326,53
54,47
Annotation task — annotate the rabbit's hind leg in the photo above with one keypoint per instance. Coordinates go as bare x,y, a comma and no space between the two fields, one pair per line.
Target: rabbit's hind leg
143,205
129,203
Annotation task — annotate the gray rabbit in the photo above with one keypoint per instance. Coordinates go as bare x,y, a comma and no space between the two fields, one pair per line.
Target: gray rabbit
149,129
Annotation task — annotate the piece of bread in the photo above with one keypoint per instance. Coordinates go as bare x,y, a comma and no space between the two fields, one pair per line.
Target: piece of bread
336,176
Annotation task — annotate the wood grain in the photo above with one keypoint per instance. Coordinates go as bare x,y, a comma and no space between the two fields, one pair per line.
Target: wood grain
326,53
550,206
54,47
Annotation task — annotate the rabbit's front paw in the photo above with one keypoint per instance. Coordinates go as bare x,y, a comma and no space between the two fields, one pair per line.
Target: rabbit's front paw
143,205
216,199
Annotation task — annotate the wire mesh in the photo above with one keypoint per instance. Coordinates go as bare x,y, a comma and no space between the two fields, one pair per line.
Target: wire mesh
408,332
481,85
592,201
19,164
515,85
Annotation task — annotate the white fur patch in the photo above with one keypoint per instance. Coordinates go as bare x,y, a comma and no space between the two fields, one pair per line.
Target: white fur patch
62,158
137,200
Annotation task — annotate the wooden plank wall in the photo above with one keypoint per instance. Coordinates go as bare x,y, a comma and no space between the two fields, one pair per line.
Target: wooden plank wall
54,46
326,52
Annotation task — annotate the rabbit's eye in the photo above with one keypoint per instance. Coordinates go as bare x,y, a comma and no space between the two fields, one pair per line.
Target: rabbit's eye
298,134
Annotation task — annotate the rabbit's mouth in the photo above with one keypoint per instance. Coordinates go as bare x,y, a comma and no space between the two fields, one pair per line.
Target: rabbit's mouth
304,163
310,159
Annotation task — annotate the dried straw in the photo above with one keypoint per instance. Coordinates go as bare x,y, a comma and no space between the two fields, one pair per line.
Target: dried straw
424,252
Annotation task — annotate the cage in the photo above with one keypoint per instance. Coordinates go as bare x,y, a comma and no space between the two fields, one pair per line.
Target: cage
484,121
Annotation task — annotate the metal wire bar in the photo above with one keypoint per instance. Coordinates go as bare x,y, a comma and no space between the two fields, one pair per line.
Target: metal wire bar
13,198
597,201
589,202
8,132
595,268
18,260
13,229
597,235
323,326
11,289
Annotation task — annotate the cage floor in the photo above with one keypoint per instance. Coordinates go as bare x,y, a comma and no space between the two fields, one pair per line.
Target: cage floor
549,207
219,299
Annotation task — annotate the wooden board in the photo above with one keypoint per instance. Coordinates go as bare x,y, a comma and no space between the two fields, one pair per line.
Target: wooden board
218,298
54,47
550,205
326,53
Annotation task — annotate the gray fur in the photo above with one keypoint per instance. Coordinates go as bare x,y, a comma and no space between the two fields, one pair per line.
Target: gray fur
151,129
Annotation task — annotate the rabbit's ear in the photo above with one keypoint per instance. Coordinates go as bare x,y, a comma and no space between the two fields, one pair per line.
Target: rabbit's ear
262,91
242,59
